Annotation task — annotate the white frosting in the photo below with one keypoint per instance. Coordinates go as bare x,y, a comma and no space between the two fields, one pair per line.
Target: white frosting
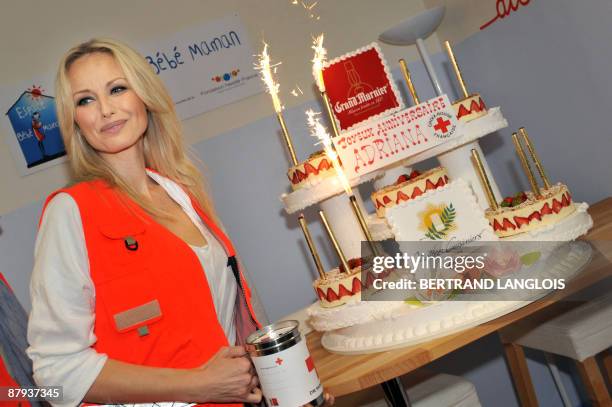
320,190
327,319
411,325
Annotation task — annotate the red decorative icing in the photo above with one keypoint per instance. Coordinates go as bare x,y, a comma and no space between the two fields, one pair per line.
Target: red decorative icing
356,285
331,295
535,215
520,221
299,176
496,225
417,192
401,197
475,107
507,224
320,293
342,291
546,210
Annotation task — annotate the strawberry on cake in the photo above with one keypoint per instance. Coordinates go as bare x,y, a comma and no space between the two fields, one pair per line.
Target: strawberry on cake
470,108
316,168
408,187
526,211
339,287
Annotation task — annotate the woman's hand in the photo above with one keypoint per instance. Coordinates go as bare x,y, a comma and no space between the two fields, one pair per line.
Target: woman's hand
229,377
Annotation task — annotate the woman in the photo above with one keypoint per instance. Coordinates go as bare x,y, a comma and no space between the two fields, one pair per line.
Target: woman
121,310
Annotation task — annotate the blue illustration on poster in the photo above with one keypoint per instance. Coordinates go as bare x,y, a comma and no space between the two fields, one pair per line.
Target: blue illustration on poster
34,122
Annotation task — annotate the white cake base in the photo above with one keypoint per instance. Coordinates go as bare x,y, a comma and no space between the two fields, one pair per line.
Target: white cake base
410,325
360,312
328,187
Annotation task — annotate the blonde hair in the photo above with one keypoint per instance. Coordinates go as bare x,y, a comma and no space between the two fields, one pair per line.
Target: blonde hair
163,144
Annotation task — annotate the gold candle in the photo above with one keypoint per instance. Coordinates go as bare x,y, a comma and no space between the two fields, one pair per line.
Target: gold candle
408,80
534,157
288,142
451,56
332,237
485,180
330,113
311,246
526,166
362,222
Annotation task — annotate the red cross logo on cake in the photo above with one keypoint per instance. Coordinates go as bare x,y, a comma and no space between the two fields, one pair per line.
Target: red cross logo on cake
442,125
360,87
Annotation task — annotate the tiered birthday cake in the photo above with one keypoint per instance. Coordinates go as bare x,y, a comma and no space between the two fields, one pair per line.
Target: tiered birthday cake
454,202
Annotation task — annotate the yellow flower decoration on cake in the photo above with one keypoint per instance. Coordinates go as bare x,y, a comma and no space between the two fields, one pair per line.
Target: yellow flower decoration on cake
438,220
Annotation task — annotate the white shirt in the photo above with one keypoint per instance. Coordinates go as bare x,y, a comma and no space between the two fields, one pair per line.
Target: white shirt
60,329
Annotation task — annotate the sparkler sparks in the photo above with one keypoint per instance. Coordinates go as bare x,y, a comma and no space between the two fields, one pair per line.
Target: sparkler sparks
265,67
318,130
297,91
308,8
320,56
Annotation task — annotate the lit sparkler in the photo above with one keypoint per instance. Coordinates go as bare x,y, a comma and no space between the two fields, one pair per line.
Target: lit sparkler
318,130
264,66
320,56
317,70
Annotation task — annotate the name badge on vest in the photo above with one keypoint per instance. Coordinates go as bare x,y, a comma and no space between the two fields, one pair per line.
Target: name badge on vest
137,317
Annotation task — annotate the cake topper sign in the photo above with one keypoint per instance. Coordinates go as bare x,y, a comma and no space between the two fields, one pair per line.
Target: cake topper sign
403,134
359,86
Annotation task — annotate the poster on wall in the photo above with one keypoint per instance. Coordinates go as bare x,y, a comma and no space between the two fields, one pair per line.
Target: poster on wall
205,66
30,125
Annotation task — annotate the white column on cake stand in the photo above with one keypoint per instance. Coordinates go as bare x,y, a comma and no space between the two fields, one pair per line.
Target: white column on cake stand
344,224
457,162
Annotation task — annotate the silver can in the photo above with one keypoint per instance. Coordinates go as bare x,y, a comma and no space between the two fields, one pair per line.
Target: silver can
284,366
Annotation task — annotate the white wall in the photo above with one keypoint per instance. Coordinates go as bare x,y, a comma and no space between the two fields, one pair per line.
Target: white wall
34,35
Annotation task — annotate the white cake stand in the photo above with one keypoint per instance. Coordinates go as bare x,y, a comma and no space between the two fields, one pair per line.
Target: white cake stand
439,319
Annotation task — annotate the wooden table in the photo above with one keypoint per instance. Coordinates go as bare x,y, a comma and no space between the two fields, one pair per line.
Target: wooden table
342,374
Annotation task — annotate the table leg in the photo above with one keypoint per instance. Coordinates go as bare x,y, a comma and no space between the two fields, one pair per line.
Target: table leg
594,381
395,394
520,374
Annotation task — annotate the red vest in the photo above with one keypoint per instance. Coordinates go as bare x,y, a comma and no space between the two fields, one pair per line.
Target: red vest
153,304
6,380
